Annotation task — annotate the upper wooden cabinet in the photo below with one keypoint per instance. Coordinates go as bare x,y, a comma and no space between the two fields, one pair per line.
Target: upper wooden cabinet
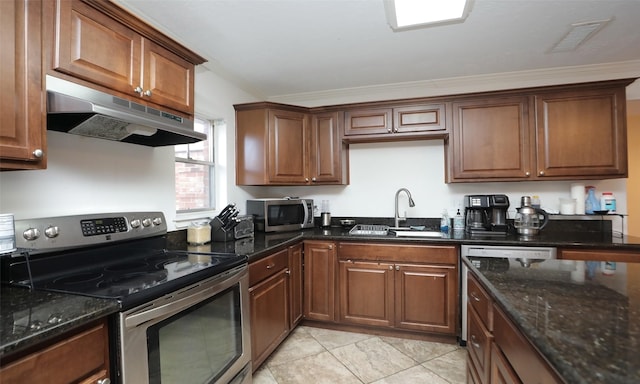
99,43
581,133
562,133
22,102
277,145
403,122
490,139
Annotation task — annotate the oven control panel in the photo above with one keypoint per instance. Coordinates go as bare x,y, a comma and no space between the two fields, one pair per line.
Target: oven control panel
45,234
103,226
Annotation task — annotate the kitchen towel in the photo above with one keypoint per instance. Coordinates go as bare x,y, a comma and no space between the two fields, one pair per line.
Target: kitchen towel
578,193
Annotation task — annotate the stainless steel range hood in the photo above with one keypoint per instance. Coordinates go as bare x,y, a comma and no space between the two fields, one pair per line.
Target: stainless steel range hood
79,110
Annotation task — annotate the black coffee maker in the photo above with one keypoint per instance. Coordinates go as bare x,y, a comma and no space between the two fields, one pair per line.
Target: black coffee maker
486,214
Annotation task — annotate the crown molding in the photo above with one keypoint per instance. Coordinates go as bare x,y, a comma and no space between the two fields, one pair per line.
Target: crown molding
469,84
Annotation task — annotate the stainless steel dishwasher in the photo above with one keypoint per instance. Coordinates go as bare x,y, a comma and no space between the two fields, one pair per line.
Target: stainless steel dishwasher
526,256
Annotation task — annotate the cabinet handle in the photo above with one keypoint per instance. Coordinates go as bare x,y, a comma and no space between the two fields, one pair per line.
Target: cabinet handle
38,153
138,90
147,93
474,296
541,173
269,266
474,342
104,381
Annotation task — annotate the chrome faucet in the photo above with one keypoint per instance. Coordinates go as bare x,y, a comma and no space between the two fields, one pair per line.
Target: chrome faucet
411,204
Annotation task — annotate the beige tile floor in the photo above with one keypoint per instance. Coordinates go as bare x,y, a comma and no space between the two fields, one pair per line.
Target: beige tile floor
313,356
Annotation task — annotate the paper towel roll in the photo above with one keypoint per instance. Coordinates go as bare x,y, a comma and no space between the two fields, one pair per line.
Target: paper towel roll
578,193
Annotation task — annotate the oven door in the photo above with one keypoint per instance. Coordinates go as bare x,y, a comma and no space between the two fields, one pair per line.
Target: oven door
199,334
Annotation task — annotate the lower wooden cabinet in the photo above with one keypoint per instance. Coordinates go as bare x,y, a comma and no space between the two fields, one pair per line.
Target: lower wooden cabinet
400,286
275,295
269,315
501,371
319,280
82,358
498,353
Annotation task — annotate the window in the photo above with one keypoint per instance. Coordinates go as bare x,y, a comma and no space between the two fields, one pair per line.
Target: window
194,172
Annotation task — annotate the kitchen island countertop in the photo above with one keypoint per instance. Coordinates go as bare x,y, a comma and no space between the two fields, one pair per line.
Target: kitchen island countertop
584,322
20,306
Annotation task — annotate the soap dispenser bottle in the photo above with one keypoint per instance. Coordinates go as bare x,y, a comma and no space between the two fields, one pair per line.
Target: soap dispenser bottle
591,203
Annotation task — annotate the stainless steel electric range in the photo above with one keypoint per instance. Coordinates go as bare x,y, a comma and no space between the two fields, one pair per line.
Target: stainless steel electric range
178,309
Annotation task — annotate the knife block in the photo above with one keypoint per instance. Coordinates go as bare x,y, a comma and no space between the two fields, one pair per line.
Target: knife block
218,233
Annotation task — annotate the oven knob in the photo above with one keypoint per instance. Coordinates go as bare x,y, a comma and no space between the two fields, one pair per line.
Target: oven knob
157,221
135,223
31,234
146,222
52,231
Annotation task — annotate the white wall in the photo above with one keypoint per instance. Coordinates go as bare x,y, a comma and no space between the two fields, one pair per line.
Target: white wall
379,170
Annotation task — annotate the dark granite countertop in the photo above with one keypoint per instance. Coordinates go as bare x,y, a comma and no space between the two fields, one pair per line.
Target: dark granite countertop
586,323
19,307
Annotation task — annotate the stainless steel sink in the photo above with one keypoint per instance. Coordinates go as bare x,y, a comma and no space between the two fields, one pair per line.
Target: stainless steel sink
383,230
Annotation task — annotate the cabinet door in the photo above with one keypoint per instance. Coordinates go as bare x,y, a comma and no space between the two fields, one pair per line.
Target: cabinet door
22,119
319,280
295,284
490,139
269,316
426,298
94,47
581,133
326,152
83,357
366,293
368,121
479,347
501,371
288,147
167,78
419,118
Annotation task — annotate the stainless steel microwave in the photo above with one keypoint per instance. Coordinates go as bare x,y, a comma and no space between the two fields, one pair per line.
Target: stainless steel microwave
281,214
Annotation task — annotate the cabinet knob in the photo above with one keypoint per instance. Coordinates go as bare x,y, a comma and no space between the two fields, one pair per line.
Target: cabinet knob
331,247
541,173
147,93
527,174
138,90
391,267
389,130
38,153
104,381
288,272
313,179
269,266
397,267
306,179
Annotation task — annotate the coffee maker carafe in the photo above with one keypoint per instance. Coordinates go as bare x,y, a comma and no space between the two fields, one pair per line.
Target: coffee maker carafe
527,220
486,214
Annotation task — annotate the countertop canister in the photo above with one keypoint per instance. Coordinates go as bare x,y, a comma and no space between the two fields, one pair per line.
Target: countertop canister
578,193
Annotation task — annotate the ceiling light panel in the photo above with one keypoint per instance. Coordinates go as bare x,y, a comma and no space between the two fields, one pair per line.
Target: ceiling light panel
411,14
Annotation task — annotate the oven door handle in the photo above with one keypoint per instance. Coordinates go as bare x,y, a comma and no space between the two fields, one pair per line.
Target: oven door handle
177,305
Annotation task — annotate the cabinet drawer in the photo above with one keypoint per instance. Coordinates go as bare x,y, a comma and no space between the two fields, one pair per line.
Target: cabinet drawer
525,360
478,298
78,358
268,266
437,254
479,346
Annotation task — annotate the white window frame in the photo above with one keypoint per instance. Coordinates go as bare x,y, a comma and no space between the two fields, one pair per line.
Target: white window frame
187,215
